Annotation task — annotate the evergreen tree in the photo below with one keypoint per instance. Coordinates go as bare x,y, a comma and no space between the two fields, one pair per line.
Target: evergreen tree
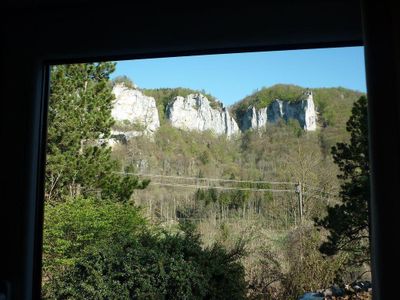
79,119
347,223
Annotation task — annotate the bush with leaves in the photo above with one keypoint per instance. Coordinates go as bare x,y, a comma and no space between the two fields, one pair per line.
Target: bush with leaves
77,227
299,268
125,80
109,253
308,269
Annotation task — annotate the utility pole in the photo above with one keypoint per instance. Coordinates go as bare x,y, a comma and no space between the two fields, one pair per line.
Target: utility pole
300,193
300,198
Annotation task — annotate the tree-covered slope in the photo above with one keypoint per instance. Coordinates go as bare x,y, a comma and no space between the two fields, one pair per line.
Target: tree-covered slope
333,104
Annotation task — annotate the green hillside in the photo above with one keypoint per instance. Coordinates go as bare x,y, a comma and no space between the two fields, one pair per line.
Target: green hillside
333,107
266,95
332,104
195,215
230,213
268,221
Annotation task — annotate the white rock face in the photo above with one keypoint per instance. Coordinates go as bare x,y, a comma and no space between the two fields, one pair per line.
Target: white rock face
302,111
310,115
231,127
254,119
195,113
132,106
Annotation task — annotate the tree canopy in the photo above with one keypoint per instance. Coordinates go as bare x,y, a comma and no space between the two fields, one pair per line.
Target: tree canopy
97,249
97,244
347,222
79,122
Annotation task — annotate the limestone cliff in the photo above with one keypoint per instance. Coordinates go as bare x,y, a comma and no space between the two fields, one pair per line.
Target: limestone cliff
137,112
303,111
194,112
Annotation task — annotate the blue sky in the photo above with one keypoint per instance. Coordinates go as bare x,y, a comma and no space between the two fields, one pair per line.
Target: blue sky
231,77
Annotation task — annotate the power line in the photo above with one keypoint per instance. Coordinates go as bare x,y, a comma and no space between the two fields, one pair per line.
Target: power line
309,187
221,187
206,179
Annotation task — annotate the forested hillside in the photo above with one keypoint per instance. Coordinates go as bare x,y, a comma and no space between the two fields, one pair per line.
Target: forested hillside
333,104
186,214
246,189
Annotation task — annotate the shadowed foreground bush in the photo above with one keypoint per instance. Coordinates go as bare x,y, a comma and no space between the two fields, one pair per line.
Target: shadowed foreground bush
145,264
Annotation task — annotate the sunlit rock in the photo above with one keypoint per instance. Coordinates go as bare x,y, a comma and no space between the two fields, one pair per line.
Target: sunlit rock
137,112
302,110
194,112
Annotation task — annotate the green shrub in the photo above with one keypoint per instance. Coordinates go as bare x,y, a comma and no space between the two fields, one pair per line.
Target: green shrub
104,250
123,79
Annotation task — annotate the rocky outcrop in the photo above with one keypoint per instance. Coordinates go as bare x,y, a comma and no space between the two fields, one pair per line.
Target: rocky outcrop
136,114
194,112
136,110
303,111
254,119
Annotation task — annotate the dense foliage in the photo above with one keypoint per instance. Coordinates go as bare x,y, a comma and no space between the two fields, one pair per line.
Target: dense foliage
348,222
263,97
96,249
279,154
123,79
79,117
103,241
97,243
269,220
